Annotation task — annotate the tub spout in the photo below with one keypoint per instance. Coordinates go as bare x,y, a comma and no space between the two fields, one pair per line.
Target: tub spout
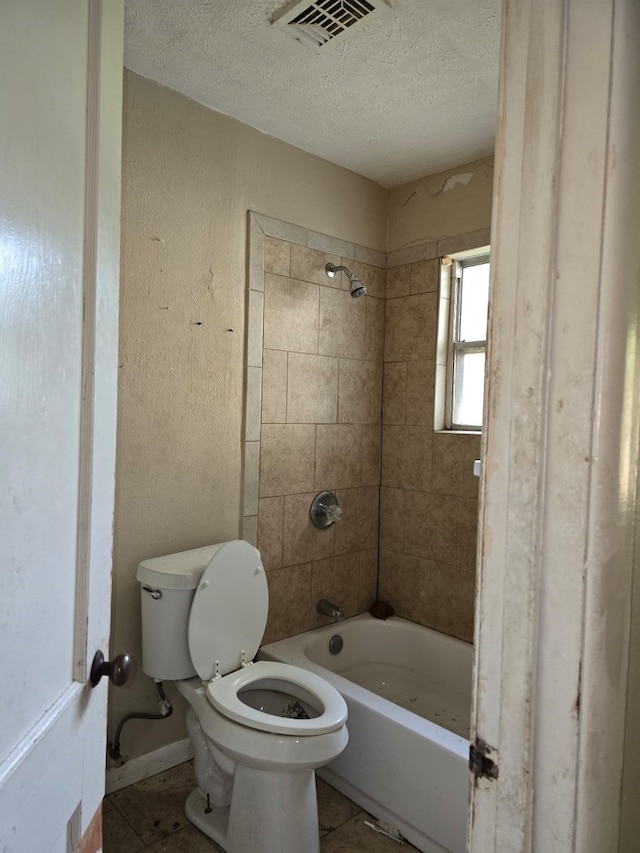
328,609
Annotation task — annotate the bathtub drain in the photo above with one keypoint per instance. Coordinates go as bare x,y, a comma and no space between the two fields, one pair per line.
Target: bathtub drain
335,644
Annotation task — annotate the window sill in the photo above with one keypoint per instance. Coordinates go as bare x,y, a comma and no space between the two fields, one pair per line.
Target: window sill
457,431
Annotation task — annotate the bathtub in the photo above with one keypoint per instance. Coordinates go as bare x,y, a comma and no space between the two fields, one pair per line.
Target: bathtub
408,690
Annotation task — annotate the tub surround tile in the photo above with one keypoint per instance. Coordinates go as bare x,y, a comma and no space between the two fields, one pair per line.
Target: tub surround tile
302,541
338,460
394,393
425,276
287,459
251,477
420,392
335,579
274,386
412,254
359,401
406,457
290,602
290,314
281,230
358,529
312,388
255,270
330,245
342,324
271,531
368,579
410,327
254,328
250,529
309,265
374,329
464,242
453,457
371,256
370,445
277,256
392,515
398,281
253,404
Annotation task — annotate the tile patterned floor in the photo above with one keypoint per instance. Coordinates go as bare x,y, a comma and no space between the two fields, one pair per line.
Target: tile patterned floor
150,816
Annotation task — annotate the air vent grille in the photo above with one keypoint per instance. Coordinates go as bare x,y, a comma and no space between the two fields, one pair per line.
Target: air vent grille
318,22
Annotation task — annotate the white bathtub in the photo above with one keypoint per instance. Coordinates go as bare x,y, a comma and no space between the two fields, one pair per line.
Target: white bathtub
408,690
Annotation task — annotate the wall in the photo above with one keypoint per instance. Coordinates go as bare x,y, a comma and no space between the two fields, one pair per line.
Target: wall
316,353
189,176
428,496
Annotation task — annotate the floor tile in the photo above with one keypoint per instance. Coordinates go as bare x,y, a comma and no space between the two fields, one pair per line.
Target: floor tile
117,835
154,808
334,809
187,840
355,837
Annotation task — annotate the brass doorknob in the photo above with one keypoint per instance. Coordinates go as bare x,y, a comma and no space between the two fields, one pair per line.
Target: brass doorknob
117,670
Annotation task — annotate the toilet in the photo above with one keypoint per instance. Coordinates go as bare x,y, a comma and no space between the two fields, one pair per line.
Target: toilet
259,730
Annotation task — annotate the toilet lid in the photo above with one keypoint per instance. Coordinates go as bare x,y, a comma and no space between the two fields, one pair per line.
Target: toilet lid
229,610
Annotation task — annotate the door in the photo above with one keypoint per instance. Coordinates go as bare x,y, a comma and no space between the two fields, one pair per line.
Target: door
561,445
60,126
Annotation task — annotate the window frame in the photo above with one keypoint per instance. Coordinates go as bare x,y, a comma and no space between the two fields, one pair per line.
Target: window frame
455,347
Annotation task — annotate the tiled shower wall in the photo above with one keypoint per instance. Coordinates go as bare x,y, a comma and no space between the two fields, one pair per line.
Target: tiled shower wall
429,496
314,397
313,422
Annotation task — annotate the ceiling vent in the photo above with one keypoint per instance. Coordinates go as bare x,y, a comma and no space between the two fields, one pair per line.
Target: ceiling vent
316,23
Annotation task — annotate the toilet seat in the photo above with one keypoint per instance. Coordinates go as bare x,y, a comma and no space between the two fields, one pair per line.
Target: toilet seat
222,693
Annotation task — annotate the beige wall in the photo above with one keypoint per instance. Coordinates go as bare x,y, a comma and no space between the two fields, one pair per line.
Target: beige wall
457,201
189,177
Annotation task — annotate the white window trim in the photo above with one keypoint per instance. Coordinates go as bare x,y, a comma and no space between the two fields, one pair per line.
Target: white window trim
450,267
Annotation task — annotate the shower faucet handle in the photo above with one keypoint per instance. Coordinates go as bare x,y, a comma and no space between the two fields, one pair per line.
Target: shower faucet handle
325,510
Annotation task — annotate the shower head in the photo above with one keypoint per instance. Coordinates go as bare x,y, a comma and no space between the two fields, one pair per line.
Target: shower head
355,285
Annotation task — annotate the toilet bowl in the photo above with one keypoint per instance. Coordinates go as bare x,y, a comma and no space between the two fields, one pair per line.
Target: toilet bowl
258,730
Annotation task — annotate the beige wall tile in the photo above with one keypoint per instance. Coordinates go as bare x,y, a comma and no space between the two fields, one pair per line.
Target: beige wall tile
290,314
425,276
374,330
336,579
309,265
287,459
406,457
254,328
358,530
360,397
468,548
452,601
398,281
431,527
280,229
410,327
253,404
394,392
250,476
289,602
453,457
371,442
338,456
368,579
301,540
249,531
274,386
270,531
342,324
392,519
420,392
331,245
468,512
374,257
312,389
404,582
277,256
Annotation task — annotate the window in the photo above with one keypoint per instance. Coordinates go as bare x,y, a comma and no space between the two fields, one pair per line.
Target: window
467,341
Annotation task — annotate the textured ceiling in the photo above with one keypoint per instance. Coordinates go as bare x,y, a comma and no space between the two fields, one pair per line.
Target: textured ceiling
404,94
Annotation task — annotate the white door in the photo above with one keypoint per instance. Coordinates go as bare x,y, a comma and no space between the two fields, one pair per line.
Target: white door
561,445
60,126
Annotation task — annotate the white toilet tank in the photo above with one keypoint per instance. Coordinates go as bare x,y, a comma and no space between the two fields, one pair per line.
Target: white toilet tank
168,585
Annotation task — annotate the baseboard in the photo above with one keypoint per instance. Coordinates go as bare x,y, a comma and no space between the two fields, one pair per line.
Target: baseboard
137,769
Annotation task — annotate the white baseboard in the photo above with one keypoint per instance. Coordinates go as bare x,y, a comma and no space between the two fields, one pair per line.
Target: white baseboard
148,764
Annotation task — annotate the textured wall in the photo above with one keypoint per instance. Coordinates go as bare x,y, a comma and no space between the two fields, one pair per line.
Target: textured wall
189,176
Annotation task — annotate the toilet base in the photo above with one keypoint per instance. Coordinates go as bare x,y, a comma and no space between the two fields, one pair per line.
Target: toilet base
270,812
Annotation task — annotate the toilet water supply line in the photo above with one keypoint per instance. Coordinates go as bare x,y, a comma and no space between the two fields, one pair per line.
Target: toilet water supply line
166,710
